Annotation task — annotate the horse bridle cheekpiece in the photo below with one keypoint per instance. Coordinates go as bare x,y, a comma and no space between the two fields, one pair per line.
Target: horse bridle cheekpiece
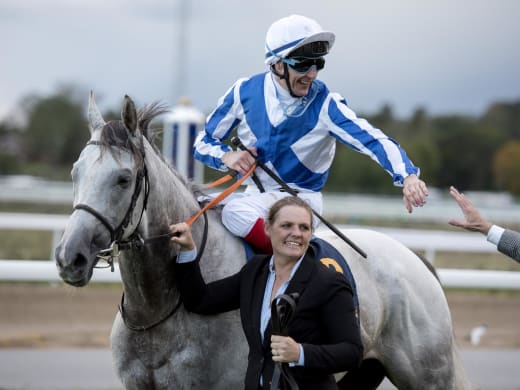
134,240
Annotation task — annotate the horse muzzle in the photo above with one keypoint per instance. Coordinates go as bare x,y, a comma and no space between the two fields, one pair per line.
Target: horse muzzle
74,266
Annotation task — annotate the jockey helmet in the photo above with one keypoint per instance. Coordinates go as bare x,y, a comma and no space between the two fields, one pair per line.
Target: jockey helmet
297,36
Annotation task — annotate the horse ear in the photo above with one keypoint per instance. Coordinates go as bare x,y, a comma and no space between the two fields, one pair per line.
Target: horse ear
95,120
129,115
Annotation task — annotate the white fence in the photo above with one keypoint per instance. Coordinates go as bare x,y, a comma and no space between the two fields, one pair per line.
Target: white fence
429,241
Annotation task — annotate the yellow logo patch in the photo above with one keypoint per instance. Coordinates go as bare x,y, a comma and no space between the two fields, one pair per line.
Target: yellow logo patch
331,263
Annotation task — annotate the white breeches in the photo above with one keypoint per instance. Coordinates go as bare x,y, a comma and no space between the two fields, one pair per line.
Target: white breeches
242,210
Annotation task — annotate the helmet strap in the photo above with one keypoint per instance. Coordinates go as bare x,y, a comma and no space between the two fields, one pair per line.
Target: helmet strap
284,76
273,69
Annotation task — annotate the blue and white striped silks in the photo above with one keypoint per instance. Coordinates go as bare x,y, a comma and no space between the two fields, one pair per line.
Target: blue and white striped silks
299,147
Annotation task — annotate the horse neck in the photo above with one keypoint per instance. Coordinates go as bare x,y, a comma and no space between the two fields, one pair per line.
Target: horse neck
147,274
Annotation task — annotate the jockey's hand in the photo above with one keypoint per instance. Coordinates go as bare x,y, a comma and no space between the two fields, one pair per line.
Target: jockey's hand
239,161
474,221
284,349
183,236
415,192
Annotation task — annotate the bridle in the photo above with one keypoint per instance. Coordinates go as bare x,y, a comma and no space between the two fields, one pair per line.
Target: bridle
117,240
135,241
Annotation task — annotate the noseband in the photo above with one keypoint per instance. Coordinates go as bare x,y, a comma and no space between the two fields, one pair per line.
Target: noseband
134,240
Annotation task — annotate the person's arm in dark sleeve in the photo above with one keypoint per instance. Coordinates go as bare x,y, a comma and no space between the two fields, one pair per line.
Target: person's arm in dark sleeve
343,349
509,244
212,298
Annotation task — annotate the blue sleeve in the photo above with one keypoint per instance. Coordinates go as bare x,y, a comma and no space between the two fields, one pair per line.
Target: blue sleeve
360,135
187,256
209,146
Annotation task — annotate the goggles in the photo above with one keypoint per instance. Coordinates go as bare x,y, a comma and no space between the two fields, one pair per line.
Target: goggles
304,65
311,50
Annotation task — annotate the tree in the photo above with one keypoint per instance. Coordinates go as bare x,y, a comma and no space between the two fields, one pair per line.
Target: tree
465,148
425,154
9,149
56,128
506,167
504,116
355,172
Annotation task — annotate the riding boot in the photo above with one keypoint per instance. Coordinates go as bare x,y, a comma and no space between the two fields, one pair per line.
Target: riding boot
258,239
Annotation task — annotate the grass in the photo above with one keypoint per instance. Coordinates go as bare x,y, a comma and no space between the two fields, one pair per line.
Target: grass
24,207
27,245
483,261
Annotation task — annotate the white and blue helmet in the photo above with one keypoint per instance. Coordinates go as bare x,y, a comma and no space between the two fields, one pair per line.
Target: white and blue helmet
293,32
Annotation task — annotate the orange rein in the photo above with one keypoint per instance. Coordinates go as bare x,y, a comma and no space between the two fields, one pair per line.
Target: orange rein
222,180
222,195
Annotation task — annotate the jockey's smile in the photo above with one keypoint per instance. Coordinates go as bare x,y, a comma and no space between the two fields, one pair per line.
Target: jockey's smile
300,84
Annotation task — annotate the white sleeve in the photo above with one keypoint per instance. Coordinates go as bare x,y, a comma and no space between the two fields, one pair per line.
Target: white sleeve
494,234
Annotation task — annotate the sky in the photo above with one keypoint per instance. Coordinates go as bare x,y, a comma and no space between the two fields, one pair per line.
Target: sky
447,56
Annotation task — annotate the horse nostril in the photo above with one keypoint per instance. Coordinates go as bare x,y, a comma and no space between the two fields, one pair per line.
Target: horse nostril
79,262
58,257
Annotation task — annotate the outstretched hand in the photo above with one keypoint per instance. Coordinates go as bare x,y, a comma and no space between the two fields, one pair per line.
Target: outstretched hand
474,221
415,192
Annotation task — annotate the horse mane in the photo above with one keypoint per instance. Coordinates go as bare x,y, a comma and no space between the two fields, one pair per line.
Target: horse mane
116,137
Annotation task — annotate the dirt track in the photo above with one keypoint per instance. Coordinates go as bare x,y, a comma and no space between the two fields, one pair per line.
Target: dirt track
56,316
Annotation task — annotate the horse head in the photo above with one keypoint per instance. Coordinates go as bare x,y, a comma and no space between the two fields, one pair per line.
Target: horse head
110,190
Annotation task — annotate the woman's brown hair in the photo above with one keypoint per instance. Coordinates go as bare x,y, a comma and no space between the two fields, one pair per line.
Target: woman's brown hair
288,201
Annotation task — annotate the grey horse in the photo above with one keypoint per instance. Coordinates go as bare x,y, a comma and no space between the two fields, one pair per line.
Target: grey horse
126,196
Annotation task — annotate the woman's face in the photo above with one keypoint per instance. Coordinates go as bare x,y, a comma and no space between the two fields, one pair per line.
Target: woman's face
290,232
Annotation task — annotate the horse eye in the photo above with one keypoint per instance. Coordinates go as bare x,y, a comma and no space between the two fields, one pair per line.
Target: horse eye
123,181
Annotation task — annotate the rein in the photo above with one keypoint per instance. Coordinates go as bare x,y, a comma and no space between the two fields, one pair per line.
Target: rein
283,308
209,205
143,328
236,142
135,241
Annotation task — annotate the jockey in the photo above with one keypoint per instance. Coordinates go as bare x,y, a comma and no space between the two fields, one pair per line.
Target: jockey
291,121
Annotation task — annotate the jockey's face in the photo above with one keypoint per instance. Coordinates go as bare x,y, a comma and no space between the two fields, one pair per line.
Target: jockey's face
290,232
300,82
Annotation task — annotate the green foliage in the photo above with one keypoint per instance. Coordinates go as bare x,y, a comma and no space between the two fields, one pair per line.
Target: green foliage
355,172
466,148
450,150
425,154
505,117
507,167
8,164
56,129
25,245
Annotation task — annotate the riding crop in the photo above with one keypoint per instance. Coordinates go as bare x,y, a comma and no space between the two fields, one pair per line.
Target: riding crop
238,143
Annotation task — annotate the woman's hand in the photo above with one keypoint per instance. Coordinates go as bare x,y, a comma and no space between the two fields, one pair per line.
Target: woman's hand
183,236
284,349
